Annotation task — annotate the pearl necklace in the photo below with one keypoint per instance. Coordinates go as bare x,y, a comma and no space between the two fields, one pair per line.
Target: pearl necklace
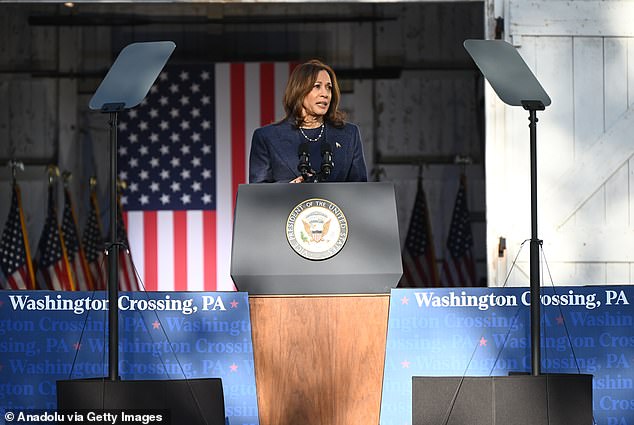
321,132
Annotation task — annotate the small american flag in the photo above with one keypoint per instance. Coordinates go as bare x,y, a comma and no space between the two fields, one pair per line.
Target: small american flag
77,259
459,268
183,152
419,258
52,267
94,245
15,255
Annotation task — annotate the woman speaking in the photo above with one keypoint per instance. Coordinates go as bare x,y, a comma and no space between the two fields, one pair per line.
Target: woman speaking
312,142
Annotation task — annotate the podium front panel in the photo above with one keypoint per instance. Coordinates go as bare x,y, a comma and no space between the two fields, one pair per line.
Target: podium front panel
263,261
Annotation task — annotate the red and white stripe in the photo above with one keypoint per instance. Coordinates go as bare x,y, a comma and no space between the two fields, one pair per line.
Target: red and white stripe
127,274
459,271
98,272
23,277
56,277
81,273
419,271
18,279
191,250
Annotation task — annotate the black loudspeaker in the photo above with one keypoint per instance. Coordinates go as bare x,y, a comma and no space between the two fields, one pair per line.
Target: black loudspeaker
191,402
555,399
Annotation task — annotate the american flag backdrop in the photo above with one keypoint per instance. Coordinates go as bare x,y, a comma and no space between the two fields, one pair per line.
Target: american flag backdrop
419,257
458,267
183,152
15,255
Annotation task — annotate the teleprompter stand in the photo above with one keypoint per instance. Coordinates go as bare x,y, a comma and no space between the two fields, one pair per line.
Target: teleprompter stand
197,401
534,399
515,84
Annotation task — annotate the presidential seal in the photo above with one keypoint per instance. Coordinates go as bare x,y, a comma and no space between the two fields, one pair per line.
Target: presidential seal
316,229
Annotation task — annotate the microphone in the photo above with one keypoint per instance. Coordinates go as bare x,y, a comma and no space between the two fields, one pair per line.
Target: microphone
304,160
327,163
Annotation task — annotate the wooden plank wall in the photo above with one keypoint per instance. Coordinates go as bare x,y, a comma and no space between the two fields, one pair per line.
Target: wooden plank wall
423,114
28,113
581,53
432,108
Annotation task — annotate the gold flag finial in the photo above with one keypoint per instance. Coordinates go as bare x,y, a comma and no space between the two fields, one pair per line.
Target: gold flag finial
15,166
53,173
66,177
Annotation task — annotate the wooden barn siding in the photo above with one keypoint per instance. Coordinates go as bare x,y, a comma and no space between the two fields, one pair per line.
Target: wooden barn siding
423,113
583,57
28,112
428,111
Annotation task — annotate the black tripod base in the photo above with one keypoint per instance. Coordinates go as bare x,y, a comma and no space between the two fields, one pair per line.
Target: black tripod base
557,399
192,402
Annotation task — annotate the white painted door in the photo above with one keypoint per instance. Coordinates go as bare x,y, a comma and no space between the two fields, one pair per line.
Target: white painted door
582,52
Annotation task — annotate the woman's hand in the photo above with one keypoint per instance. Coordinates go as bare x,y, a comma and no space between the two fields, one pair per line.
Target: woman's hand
299,179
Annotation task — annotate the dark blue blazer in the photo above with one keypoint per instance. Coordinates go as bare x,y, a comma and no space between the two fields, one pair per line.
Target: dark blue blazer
274,153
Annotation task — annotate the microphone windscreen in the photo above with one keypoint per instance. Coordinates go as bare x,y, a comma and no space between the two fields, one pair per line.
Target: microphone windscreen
326,148
303,149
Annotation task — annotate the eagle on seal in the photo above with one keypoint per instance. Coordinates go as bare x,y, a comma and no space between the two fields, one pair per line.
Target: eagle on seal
317,229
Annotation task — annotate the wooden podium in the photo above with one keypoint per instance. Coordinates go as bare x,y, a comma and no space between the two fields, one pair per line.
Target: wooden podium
319,359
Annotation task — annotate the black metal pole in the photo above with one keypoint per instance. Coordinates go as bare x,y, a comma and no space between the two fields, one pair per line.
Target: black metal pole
113,260
534,253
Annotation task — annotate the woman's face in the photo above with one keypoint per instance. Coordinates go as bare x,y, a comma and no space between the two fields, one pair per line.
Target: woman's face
317,101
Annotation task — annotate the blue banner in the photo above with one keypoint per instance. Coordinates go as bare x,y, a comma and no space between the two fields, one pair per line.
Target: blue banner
48,336
486,332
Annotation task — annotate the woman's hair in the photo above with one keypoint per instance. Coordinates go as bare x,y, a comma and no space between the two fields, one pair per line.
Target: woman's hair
300,83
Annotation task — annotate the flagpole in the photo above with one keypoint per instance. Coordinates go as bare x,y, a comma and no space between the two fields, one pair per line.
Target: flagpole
113,259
